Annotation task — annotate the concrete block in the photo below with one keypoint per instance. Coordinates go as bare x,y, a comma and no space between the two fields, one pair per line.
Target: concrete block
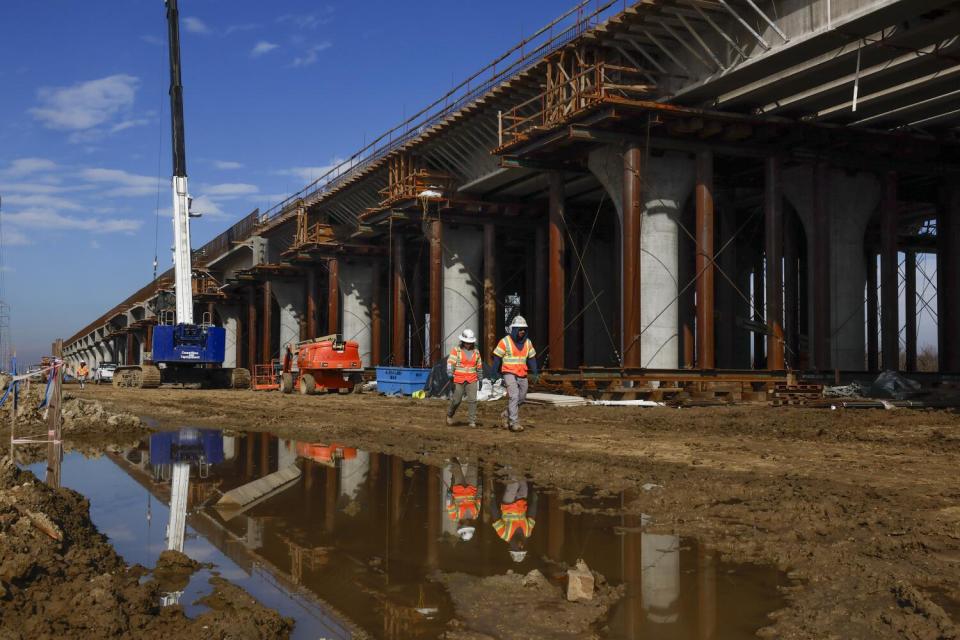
579,582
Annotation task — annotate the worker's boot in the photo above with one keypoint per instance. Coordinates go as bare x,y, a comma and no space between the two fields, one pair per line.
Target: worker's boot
449,421
516,427
473,425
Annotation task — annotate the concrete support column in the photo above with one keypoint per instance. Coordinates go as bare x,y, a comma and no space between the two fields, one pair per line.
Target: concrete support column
333,296
434,349
266,316
462,266
706,345
398,340
910,309
489,290
630,240
873,344
311,296
948,279
290,301
773,212
821,268
356,285
251,328
889,276
376,315
230,316
556,231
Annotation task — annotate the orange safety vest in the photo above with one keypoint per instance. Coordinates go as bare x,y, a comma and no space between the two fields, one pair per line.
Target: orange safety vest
514,358
513,518
83,371
464,505
464,370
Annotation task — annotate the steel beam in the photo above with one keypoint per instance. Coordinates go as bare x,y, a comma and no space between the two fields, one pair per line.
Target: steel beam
948,279
398,340
889,280
773,225
489,288
333,296
910,309
632,212
557,269
436,291
873,345
266,346
706,343
820,268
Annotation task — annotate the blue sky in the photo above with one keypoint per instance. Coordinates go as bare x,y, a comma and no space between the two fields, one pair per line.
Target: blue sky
273,92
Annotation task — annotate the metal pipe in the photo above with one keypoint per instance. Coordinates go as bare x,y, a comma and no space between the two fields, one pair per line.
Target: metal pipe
873,346
266,343
630,239
773,25
745,24
557,270
333,296
489,288
706,343
910,309
889,272
821,268
773,211
436,291
399,340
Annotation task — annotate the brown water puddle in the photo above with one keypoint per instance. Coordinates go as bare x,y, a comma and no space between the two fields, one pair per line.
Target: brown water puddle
345,540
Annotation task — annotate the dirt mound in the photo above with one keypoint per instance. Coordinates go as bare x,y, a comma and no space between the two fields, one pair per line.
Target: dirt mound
60,577
81,416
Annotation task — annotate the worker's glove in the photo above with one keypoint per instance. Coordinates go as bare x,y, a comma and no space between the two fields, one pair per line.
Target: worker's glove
535,378
449,371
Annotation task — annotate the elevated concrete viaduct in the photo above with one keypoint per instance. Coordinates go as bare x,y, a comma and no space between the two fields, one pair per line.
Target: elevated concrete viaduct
663,188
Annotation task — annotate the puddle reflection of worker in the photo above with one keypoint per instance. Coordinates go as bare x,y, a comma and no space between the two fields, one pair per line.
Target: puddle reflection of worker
462,501
514,515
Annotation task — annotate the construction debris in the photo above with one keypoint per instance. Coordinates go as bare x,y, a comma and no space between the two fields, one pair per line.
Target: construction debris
556,400
579,582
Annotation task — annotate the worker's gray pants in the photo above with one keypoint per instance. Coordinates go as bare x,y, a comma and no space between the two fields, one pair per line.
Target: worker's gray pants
516,395
459,390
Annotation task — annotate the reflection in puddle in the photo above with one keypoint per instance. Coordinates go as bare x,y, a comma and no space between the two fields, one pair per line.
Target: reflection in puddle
340,538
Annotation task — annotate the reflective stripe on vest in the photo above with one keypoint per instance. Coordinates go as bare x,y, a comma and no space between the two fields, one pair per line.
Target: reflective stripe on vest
465,505
513,518
464,370
514,358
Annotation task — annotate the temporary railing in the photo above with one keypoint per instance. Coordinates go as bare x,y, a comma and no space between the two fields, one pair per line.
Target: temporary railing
520,57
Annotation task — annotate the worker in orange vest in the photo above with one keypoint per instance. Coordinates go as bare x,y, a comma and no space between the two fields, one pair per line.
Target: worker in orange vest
516,359
466,368
83,372
515,516
463,498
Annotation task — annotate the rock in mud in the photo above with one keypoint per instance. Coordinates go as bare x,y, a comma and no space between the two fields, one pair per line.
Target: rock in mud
579,583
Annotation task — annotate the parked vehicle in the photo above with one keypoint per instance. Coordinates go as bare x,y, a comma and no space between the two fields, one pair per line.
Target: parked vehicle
104,372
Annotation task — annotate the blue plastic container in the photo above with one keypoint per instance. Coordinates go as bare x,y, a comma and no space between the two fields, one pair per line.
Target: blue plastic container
401,380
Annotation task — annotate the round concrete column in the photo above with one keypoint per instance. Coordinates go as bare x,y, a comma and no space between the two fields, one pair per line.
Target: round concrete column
462,268
356,289
290,300
230,316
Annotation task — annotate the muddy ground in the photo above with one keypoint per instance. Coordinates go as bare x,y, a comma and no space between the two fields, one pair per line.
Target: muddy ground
862,508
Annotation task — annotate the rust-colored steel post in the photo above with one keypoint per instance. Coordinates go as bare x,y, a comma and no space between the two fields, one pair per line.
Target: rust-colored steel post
541,288
251,328
791,291
489,289
889,276
434,514
148,345
759,293
948,280
399,339
873,344
376,315
630,239
266,342
910,309
773,224
311,302
436,291
820,268
558,272
419,347
129,354
706,344
333,296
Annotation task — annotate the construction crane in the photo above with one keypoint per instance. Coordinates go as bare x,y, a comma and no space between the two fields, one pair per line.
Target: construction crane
182,351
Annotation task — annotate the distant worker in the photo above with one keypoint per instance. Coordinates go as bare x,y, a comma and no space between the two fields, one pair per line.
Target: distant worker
515,358
463,498
515,516
466,367
83,372
288,359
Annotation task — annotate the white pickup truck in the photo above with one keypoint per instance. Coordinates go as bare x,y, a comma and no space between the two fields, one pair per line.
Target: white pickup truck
104,372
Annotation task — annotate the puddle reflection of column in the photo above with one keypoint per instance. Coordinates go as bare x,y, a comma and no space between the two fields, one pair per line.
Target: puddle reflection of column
264,454
555,533
706,593
248,448
661,577
330,498
632,574
229,447
434,508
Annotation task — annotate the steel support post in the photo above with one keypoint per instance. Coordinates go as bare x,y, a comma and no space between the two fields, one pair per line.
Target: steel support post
436,292
773,225
489,289
398,341
558,275
632,212
873,343
791,291
148,345
311,302
251,328
266,344
130,359
333,296
889,276
706,344
376,315
541,288
948,280
419,347
910,309
820,268
759,293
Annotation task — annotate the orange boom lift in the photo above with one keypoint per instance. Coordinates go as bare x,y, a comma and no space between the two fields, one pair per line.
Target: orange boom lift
326,364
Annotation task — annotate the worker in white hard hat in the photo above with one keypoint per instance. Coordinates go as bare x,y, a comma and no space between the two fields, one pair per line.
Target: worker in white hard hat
83,372
514,516
516,359
463,498
465,366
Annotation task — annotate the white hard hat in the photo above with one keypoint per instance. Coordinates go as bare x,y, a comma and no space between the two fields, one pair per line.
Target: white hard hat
520,322
466,533
518,556
467,336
